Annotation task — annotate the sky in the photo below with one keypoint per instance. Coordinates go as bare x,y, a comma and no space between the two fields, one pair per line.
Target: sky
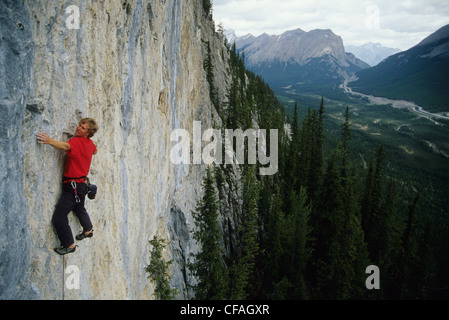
397,24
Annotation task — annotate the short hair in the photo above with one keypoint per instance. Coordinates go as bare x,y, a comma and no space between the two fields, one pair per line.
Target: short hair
93,126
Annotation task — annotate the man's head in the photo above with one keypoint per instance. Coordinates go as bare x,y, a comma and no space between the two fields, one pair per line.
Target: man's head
86,128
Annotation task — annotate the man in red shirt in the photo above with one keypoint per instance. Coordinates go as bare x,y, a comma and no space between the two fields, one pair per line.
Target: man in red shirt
79,151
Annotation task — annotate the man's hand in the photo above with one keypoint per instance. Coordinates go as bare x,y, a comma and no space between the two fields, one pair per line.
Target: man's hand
44,138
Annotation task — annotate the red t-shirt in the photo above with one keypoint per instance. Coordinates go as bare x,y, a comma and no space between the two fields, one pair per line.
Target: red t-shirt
79,157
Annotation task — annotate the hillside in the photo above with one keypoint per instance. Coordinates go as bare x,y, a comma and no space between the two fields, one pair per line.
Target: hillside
418,74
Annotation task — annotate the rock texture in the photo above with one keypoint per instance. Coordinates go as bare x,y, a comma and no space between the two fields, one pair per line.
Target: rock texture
137,68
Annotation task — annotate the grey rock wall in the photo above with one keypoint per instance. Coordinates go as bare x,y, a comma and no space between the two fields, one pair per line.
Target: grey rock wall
137,68
16,56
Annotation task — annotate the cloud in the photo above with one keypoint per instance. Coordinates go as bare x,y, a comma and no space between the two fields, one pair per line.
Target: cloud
400,24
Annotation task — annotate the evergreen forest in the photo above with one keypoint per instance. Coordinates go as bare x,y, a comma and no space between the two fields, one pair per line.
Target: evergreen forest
311,230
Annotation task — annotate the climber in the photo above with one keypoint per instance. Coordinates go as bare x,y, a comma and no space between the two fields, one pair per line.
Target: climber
79,152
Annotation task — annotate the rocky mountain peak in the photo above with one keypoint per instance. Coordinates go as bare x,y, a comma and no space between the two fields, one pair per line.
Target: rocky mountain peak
320,52
292,46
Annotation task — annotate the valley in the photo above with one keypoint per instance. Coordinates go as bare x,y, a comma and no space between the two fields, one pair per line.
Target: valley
395,103
379,98
411,137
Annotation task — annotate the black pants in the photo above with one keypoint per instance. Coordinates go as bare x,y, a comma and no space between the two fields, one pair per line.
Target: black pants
68,203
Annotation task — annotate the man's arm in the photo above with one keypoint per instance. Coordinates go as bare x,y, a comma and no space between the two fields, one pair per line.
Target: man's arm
44,138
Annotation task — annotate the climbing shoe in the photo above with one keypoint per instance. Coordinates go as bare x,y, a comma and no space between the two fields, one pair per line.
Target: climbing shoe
82,236
64,250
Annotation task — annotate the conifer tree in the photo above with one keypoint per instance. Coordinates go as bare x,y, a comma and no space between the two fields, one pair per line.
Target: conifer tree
292,176
158,271
207,6
247,245
310,159
346,137
208,265
237,116
407,255
371,213
305,147
209,68
424,272
341,253
367,199
385,230
316,156
327,229
352,237
300,251
272,249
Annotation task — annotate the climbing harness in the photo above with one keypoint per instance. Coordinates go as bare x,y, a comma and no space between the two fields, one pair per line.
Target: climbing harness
77,198
79,179
91,188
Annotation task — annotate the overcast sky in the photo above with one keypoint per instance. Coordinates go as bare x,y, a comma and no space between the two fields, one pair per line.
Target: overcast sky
393,23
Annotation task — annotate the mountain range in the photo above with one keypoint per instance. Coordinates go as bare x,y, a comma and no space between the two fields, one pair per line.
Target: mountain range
419,74
299,61
299,57
371,53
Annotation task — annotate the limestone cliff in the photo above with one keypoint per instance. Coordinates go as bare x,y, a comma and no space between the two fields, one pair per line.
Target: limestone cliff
136,66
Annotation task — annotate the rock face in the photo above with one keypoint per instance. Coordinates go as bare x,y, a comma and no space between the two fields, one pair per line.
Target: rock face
137,68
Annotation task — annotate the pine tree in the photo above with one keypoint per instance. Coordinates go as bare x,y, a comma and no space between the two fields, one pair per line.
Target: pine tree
207,6
209,68
345,139
292,175
424,272
316,156
373,221
385,230
208,265
247,245
367,199
327,230
340,252
407,256
237,117
271,212
300,250
352,237
158,271
305,150
310,152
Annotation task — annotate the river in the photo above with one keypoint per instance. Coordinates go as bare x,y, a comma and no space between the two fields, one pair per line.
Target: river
396,103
